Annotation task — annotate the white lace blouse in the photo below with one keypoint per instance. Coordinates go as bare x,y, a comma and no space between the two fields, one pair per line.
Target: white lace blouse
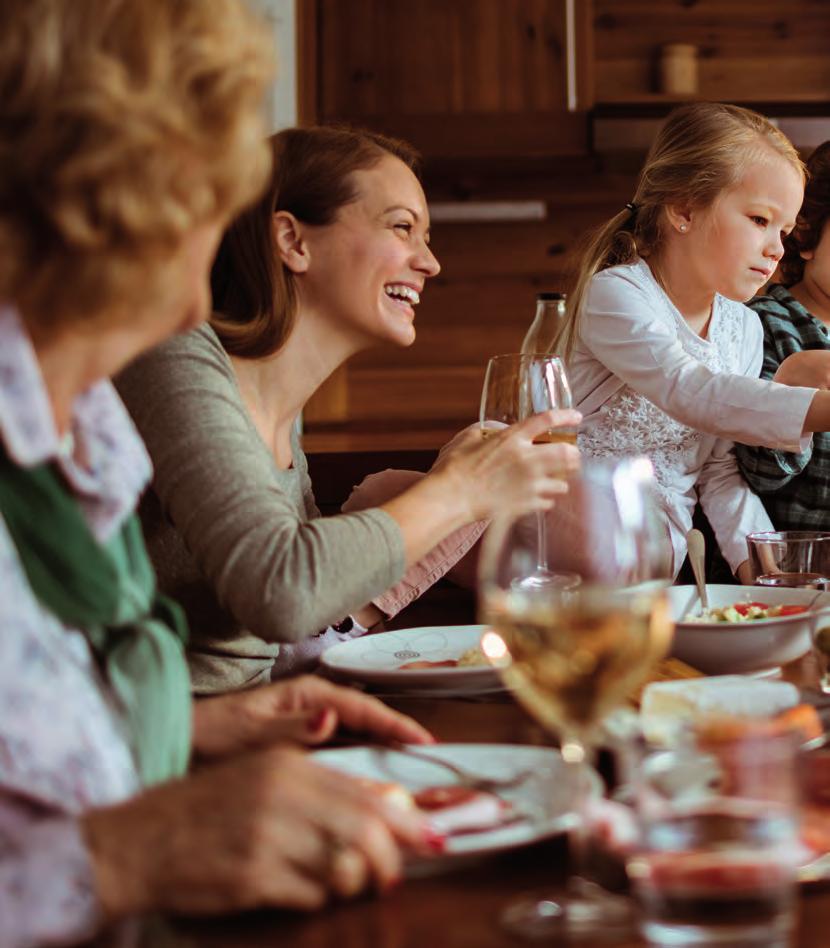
647,384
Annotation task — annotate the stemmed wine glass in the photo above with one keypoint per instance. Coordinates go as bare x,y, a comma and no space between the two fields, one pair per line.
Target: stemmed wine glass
517,386
572,655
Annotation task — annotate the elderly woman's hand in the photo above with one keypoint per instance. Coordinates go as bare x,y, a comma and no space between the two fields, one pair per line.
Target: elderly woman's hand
266,829
306,710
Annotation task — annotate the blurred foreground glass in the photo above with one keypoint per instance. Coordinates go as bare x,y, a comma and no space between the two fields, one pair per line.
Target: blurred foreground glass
719,845
572,655
517,386
792,558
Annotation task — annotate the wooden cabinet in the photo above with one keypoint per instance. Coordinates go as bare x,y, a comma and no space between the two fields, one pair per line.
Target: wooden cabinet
459,77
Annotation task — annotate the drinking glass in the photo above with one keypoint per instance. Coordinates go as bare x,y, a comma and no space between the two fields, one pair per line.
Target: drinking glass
718,850
573,654
517,386
790,558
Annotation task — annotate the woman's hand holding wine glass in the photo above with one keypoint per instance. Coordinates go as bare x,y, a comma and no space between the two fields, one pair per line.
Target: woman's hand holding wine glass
510,470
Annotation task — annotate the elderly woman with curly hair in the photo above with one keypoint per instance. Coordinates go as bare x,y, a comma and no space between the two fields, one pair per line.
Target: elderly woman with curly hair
795,313
130,133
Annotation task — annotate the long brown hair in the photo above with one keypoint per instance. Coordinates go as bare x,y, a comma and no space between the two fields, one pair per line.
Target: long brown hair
814,214
702,149
254,295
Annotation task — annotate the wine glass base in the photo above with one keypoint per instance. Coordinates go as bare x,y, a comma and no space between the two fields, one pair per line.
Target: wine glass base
585,910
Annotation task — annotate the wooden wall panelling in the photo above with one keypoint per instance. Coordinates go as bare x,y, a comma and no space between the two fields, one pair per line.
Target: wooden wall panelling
750,50
422,57
479,86
307,73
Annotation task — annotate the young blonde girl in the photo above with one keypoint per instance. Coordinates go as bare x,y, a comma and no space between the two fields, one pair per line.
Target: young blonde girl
662,355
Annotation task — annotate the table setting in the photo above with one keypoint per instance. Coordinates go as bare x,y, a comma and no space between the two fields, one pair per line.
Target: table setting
707,819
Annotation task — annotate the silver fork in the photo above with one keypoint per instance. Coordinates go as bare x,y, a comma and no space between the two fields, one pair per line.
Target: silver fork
465,778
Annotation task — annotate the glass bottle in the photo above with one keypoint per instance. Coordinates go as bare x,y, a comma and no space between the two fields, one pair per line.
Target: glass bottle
550,311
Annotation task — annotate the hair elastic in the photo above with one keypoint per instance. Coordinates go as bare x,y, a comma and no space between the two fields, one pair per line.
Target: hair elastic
631,206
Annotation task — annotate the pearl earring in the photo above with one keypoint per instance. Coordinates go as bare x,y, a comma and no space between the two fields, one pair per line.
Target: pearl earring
682,228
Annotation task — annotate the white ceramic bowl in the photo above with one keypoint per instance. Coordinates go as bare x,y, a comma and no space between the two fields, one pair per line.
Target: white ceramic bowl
720,648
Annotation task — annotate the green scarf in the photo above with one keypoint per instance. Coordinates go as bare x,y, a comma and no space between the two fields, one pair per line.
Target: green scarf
108,592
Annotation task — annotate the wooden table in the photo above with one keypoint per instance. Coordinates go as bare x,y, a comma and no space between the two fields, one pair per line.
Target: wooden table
455,910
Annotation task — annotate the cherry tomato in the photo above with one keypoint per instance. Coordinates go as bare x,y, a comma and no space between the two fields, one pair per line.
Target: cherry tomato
744,607
791,610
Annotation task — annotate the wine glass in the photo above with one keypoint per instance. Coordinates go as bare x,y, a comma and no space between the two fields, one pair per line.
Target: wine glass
517,386
572,655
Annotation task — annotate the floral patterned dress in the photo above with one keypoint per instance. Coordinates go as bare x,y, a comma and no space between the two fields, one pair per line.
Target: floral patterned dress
63,745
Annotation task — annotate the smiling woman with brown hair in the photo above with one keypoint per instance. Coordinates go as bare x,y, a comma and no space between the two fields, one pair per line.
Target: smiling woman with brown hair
331,261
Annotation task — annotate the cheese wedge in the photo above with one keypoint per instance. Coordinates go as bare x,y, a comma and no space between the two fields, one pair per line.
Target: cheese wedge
670,706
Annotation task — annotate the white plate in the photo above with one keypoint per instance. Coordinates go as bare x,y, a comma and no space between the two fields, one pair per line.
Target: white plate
376,660
543,800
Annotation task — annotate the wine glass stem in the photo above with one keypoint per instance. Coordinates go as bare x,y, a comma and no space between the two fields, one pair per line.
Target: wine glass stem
578,756
541,543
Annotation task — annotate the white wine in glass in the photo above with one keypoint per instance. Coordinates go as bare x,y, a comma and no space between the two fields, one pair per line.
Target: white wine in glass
517,386
573,655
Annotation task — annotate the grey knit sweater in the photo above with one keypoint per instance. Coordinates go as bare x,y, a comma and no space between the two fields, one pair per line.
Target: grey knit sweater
235,539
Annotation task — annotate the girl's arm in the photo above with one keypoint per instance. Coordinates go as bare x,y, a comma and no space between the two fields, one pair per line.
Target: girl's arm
621,331
729,504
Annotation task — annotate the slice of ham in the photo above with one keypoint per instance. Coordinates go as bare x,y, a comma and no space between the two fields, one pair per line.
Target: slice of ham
451,809
470,811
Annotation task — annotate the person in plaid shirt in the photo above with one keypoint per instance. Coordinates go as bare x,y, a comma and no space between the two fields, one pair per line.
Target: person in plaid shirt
795,314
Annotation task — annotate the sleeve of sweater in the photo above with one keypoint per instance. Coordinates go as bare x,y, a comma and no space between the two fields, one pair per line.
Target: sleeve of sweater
281,577
732,508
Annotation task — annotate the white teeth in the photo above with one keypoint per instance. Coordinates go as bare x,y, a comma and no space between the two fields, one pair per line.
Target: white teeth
401,291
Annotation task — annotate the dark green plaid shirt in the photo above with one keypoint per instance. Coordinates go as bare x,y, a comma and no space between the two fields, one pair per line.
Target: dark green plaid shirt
795,488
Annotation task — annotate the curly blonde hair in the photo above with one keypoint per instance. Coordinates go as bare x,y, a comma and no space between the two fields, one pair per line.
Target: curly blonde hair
124,125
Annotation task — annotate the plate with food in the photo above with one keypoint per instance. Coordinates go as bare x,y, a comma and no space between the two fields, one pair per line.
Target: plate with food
746,629
483,798
430,658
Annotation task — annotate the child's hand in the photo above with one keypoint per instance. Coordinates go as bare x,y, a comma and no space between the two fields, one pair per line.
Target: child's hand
810,368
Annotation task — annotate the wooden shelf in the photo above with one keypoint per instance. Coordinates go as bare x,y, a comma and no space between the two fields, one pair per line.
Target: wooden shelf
649,104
